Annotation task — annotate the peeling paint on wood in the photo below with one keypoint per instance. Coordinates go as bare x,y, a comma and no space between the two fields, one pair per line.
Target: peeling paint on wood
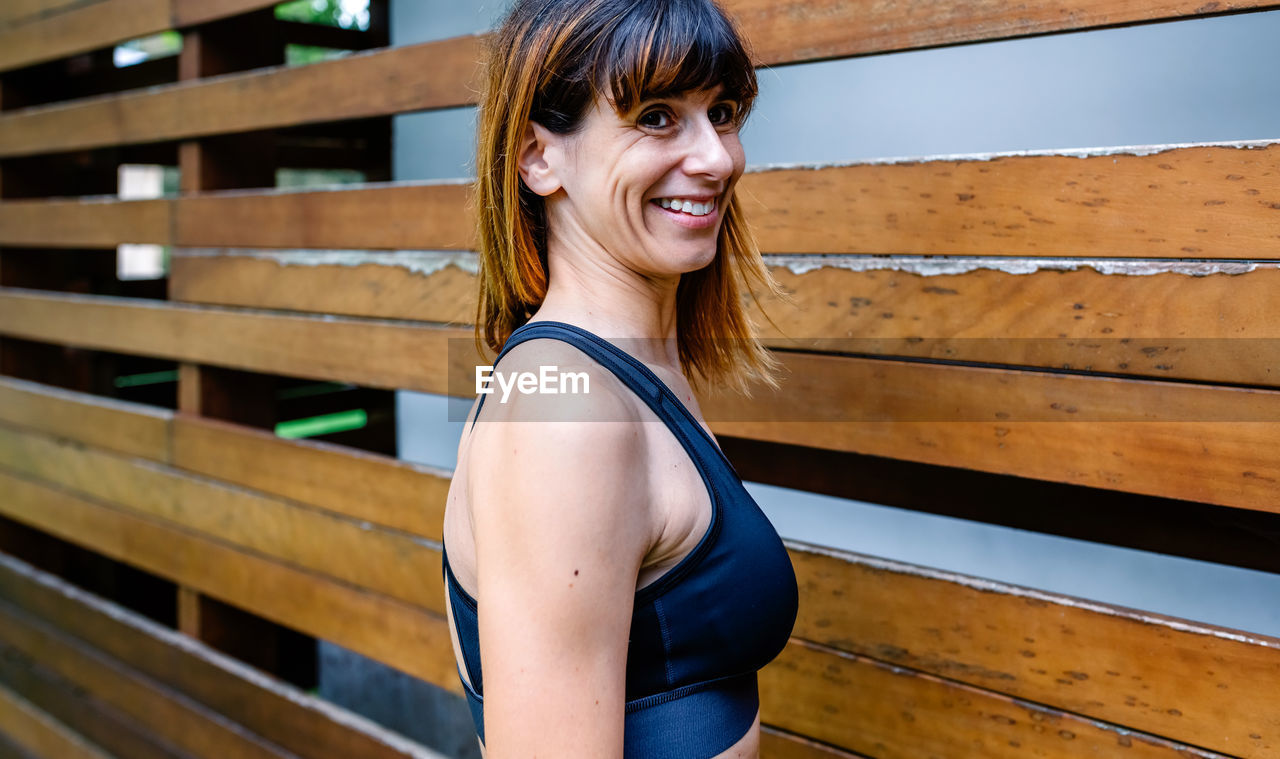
1126,150
931,266
425,262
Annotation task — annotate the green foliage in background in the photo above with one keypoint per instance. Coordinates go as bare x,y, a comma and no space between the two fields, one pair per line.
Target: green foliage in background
327,12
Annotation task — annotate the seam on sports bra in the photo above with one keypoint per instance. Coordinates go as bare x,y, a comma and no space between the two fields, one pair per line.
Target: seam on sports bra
684,690
668,669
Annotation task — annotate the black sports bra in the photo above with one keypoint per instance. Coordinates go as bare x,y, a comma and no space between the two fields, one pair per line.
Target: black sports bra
703,629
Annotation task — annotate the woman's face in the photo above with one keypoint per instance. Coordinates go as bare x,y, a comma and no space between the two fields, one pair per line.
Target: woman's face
612,178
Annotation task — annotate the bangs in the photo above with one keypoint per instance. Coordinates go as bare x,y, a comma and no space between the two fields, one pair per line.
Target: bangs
663,48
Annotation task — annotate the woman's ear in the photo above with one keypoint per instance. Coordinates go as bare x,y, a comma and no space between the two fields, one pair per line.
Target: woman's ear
538,147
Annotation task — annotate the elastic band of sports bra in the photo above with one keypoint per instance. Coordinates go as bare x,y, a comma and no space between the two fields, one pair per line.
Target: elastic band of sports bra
697,720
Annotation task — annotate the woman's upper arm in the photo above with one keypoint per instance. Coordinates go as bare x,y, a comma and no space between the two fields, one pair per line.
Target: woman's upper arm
561,528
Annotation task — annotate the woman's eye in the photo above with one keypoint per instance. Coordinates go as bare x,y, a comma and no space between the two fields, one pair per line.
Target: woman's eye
656,119
726,113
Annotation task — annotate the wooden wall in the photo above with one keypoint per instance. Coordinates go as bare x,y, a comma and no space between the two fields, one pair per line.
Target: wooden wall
1087,341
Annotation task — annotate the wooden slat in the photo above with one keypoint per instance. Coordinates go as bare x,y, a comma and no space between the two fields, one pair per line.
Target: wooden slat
1164,319
777,744
1196,683
1219,201
85,27
22,11
306,725
368,352
402,636
378,489
133,429
86,223
361,554
895,713
368,487
432,286
797,30
44,31
390,215
401,79
1221,460
381,82
1210,201
175,719
90,718
34,731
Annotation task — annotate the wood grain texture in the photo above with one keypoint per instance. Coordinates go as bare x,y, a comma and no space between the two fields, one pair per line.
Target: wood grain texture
894,713
395,80
90,718
1177,202
174,719
432,286
275,710
383,561
778,744
79,29
795,30
413,640
134,429
34,31
364,486
367,352
391,215
89,223
1167,319
1146,437
1194,683
34,731
379,82
1203,202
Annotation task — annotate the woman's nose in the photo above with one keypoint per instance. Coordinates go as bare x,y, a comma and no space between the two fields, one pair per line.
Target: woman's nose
707,152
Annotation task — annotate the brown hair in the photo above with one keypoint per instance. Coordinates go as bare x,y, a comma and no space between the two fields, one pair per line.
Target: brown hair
547,62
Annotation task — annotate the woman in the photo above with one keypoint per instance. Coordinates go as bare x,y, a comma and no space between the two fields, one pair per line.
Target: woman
617,581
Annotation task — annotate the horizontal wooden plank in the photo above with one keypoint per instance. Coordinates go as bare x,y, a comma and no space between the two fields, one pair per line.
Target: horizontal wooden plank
32,730
90,222
431,286
133,429
43,31
368,352
1147,439
778,744
1194,683
413,640
1223,463
895,713
175,719
446,73
22,11
1204,201
380,82
368,487
1212,201
79,29
93,720
306,725
796,30
1200,321
384,561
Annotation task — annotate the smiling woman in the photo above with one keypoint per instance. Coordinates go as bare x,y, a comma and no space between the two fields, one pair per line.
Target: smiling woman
618,582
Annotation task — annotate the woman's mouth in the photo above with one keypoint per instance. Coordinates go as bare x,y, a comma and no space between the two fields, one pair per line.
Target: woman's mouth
690,214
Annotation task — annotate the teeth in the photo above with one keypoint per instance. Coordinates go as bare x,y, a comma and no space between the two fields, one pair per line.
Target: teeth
688,206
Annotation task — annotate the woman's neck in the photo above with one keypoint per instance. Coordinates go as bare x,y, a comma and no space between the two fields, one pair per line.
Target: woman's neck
616,303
